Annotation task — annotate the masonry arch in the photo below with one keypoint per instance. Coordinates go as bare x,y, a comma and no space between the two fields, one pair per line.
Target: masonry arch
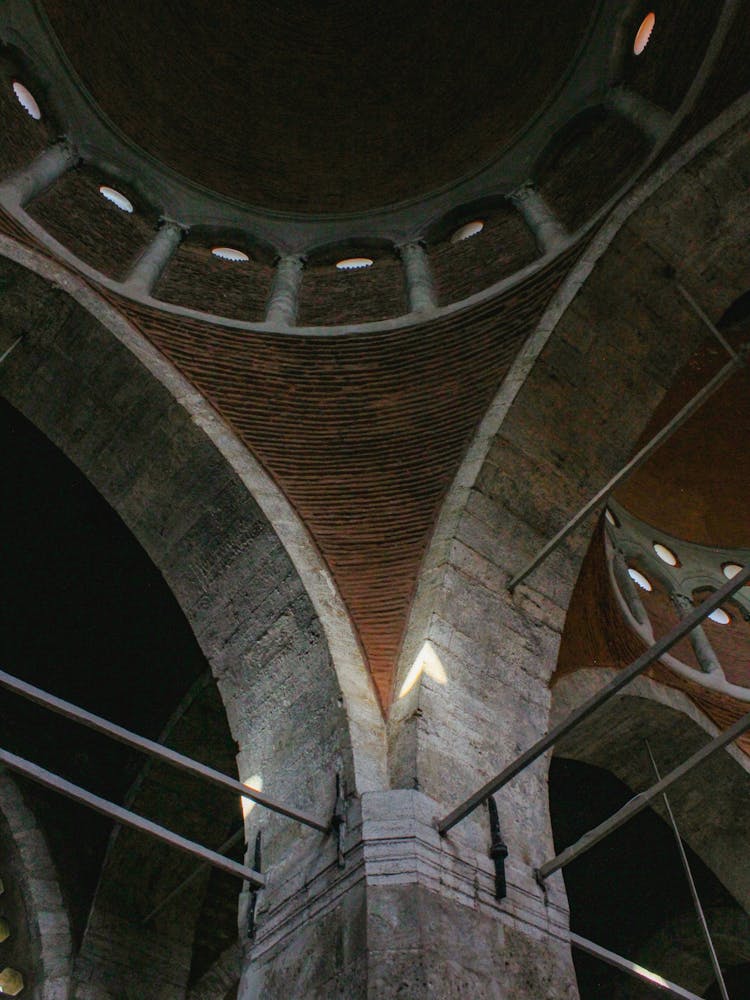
40,945
155,464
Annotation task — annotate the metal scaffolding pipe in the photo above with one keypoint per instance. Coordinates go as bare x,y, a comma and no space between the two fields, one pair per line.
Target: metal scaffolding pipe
152,749
706,321
658,439
225,848
693,887
127,818
618,962
639,802
679,631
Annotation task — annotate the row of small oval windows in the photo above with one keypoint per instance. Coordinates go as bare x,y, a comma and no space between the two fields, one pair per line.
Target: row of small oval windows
668,556
233,255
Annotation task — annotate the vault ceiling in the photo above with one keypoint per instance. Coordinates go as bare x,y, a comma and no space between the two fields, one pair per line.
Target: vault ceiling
275,105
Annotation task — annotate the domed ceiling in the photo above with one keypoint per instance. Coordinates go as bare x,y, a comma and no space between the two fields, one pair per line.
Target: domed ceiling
328,107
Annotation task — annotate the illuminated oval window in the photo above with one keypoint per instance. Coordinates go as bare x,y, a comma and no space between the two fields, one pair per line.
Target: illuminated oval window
468,230
644,33
665,554
720,616
354,263
229,253
26,99
731,570
116,197
637,577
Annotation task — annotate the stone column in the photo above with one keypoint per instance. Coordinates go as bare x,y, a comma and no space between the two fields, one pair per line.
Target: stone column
627,588
25,184
649,118
704,652
151,264
420,286
549,232
284,299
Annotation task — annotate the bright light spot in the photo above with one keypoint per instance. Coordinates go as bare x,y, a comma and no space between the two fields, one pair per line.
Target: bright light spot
653,977
428,662
354,263
468,230
256,783
26,99
644,33
637,577
116,197
611,517
720,616
229,253
666,555
731,570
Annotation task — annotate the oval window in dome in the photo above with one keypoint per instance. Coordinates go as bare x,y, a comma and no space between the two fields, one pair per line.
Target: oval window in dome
666,554
720,616
644,33
116,197
354,263
730,570
27,101
468,230
637,577
231,254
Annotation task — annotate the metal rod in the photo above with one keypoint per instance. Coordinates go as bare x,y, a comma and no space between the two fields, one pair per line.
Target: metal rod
198,870
612,958
126,817
639,802
693,887
706,321
12,347
658,439
153,749
679,631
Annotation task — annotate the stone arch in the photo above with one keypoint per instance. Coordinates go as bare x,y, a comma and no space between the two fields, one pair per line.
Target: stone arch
297,696
47,918
657,212
162,458
712,804
565,419
681,955
534,460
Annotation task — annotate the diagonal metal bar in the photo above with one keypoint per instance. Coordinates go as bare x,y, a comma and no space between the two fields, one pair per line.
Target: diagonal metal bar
153,749
693,887
225,848
12,348
705,320
644,661
126,817
637,971
638,459
639,802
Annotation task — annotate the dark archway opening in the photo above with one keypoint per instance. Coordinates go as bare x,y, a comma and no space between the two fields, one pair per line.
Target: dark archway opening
627,890
86,615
